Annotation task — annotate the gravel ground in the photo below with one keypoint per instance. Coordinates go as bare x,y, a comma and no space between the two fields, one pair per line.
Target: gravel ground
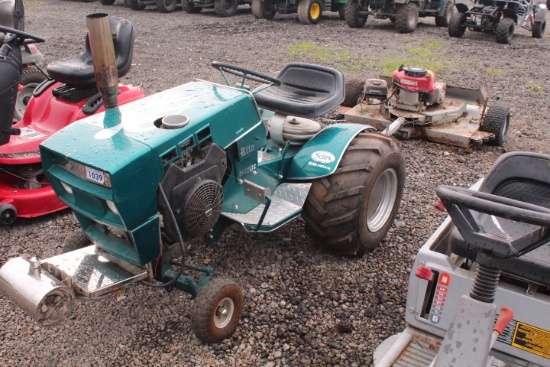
303,305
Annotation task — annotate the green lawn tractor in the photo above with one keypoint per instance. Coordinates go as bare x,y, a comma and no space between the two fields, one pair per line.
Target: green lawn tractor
404,13
148,178
309,11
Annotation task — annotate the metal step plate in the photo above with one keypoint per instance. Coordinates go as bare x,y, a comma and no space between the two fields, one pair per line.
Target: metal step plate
286,203
92,274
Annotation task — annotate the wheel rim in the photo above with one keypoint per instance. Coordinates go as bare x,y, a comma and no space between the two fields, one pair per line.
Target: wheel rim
411,20
22,100
315,11
382,199
224,312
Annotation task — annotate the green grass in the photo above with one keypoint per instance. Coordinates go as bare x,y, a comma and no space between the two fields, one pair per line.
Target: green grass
494,72
343,60
535,87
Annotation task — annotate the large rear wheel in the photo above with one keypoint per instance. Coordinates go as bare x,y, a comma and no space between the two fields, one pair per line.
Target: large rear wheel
310,11
457,25
353,19
30,78
352,210
217,310
406,18
505,30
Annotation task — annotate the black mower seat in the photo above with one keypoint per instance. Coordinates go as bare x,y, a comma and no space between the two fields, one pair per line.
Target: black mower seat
524,177
12,14
78,71
306,90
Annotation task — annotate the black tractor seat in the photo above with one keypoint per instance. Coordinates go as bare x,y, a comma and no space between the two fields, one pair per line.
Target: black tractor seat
524,177
306,90
78,71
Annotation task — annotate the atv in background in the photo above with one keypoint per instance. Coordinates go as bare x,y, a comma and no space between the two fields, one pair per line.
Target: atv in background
404,13
223,8
499,17
309,11
164,6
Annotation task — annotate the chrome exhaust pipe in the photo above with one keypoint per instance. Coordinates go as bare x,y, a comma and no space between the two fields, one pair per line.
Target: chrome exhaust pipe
37,292
103,57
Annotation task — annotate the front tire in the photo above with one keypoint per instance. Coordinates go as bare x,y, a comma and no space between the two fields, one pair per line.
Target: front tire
406,18
354,90
445,19
166,6
226,8
497,121
538,29
217,310
262,10
505,30
353,19
352,210
457,25
30,79
310,11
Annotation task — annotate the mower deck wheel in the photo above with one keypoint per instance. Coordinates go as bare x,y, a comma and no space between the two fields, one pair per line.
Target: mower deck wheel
76,241
457,25
354,90
8,214
261,10
226,8
352,17
497,121
505,30
406,18
352,210
538,29
166,6
217,310
310,11
30,78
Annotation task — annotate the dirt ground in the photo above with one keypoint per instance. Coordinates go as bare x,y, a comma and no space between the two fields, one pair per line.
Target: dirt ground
297,294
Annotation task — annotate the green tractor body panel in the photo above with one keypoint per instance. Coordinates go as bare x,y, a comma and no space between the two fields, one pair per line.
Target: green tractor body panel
321,155
111,183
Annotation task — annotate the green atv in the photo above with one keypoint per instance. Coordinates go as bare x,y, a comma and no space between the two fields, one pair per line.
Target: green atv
404,13
309,11
149,178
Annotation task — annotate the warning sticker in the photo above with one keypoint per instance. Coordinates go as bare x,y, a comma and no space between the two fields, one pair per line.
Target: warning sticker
31,134
527,337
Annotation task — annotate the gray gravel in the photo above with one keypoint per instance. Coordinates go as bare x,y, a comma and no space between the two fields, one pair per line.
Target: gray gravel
304,305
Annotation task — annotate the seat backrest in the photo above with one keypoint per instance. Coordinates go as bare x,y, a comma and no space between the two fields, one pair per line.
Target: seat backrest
123,41
12,14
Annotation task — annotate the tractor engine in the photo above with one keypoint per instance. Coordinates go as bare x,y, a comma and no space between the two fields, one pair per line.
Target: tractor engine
416,89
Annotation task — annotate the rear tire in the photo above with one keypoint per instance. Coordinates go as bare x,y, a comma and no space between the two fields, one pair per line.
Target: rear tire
226,8
505,30
262,10
30,79
107,2
354,90
352,210
457,25
76,241
538,29
217,310
166,6
310,11
497,121
134,4
189,7
406,18
445,20
353,19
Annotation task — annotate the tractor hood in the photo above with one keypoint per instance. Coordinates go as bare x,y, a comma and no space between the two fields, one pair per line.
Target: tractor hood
120,155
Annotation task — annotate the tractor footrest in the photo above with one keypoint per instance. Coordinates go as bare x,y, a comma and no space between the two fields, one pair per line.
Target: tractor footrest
286,203
91,272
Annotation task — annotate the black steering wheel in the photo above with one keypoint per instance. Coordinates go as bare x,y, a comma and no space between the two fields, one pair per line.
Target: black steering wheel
245,73
496,205
21,34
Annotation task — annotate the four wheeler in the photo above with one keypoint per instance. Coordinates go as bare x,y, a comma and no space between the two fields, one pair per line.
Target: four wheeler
12,15
164,6
69,95
223,8
309,11
418,106
404,13
146,179
499,17
495,245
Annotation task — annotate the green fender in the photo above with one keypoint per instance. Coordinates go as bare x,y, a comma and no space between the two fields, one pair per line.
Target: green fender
321,155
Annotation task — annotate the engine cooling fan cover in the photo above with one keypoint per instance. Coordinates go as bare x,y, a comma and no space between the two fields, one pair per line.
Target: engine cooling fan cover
202,207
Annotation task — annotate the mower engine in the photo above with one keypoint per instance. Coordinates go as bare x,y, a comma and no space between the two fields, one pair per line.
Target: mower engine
416,89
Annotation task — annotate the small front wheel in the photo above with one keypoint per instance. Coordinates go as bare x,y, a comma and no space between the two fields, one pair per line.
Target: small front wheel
505,30
310,11
538,29
217,310
226,8
166,6
497,121
354,90
457,25
352,17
